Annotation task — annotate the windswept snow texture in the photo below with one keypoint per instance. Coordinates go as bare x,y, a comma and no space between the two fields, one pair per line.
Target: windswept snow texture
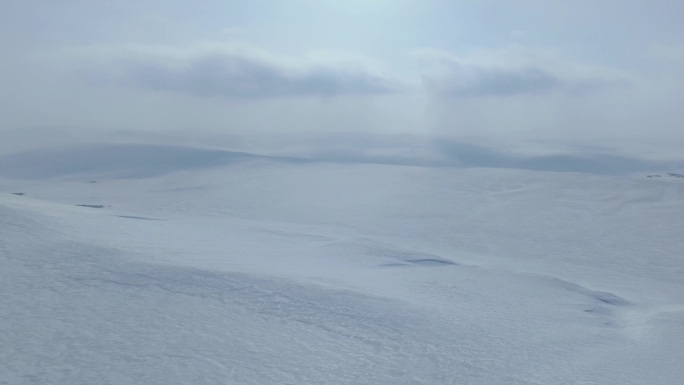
276,272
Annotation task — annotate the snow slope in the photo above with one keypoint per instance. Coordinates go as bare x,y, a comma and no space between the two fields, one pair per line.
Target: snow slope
275,272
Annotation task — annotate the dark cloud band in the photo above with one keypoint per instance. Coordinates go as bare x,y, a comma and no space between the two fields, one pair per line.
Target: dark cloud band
244,74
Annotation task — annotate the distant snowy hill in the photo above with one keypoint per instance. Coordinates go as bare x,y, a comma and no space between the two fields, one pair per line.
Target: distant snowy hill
115,160
165,265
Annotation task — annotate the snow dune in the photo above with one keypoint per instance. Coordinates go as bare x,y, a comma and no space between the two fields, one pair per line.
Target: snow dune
281,272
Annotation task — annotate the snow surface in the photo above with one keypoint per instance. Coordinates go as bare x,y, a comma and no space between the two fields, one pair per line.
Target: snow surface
270,272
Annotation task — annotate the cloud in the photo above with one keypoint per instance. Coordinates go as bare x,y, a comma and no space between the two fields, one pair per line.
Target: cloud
468,82
232,71
510,72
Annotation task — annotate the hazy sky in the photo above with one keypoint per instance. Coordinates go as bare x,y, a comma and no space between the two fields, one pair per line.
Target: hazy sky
530,76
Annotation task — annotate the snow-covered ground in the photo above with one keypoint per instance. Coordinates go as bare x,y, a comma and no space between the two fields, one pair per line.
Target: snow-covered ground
250,270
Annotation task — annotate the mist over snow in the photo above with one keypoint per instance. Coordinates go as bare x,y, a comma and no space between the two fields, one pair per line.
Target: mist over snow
519,77
341,192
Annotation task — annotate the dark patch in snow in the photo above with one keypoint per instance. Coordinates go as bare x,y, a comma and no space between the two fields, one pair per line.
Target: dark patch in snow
426,262
394,265
608,298
431,262
139,218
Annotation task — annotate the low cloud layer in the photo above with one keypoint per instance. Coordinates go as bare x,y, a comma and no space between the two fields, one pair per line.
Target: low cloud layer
235,72
510,72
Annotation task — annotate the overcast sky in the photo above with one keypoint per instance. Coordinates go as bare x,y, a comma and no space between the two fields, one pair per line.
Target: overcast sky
536,77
